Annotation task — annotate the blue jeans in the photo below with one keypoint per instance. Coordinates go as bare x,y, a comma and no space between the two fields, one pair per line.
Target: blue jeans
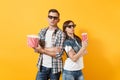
72,75
46,73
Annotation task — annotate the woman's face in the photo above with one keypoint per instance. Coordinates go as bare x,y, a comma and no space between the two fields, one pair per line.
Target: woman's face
70,28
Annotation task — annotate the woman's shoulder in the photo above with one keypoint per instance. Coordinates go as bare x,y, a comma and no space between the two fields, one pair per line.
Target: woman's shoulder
67,42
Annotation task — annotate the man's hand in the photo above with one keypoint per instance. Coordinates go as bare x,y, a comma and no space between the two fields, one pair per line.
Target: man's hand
39,49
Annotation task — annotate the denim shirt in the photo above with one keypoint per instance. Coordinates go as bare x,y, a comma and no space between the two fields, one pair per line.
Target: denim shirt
74,43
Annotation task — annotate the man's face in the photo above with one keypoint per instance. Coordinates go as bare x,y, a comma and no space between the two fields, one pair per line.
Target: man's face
53,18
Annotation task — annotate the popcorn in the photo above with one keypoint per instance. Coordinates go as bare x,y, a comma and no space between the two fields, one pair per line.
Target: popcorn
32,41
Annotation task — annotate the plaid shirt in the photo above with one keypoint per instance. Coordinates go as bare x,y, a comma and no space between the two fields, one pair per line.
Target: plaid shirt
57,41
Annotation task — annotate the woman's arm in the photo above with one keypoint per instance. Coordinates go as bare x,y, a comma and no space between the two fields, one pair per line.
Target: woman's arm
75,56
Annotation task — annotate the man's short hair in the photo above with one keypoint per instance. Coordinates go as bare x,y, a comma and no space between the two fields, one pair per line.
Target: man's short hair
54,10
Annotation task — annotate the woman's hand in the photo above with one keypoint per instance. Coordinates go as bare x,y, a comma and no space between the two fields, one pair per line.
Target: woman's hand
85,43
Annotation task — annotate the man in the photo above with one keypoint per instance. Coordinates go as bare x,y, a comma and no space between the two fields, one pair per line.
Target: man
50,61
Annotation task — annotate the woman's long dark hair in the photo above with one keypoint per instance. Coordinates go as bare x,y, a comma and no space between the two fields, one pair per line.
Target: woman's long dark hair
65,24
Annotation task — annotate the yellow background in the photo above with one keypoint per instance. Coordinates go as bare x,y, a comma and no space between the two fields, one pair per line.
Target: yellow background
99,18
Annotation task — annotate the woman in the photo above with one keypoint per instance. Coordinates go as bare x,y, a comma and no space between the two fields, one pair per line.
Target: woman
75,49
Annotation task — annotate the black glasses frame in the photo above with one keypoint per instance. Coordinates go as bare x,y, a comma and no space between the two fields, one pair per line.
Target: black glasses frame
69,26
53,17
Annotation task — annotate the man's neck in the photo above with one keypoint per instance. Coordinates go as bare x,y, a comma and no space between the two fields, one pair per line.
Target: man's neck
52,27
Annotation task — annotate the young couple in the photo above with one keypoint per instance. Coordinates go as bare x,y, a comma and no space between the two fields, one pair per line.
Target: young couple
57,41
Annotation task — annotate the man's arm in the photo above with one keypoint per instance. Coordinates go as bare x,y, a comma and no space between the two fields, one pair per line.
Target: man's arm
49,51
61,40
55,52
52,51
